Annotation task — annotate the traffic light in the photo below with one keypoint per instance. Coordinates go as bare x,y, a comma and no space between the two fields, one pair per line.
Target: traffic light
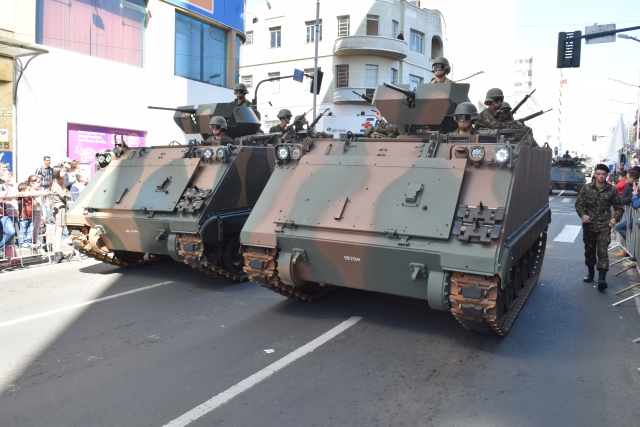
594,137
320,74
569,50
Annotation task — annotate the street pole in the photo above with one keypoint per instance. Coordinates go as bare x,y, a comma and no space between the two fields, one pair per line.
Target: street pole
315,65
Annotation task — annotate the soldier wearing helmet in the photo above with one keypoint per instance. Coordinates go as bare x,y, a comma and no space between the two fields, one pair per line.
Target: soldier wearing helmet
504,113
488,118
301,133
285,118
466,115
218,127
241,92
440,68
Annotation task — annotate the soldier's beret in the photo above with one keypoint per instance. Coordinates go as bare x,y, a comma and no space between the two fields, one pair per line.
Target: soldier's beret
602,167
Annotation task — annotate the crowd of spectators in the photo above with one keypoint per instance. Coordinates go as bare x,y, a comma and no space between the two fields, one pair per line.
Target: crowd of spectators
626,182
28,207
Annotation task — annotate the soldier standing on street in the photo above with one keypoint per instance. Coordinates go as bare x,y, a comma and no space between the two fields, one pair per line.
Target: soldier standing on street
440,68
593,205
488,119
241,92
285,118
466,115
218,127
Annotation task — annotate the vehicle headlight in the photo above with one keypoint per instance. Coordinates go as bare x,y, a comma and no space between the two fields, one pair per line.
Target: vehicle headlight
208,154
108,158
283,153
502,156
220,154
476,154
101,158
296,153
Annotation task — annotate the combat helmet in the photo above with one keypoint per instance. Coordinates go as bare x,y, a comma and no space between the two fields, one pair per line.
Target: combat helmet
218,120
242,87
302,120
284,113
505,107
493,93
441,60
466,109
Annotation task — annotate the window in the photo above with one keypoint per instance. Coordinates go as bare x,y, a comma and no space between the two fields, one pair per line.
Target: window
275,85
311,31
343,26
416,41
248,81
342,76
394,76
200,51
371,76
111,29
394,29
414,81
249,37
372,25
275,36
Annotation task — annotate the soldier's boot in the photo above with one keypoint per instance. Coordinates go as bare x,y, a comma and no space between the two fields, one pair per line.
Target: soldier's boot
589,277
602,283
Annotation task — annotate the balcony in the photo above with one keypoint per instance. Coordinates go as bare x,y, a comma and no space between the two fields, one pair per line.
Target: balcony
345,95
371,45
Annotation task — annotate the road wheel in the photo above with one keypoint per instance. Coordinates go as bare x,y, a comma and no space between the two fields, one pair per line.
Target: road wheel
232,255
129,256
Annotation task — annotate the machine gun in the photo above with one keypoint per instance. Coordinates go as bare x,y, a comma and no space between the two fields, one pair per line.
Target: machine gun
180,110
409,94
363,96
292,125
534,115
522,102
317,119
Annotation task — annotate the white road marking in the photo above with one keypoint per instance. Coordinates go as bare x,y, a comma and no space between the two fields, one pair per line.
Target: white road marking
74,306
551,198
566,200
259,376
560,194
568,234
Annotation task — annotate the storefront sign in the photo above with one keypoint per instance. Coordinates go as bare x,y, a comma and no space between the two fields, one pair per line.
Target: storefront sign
227,12
84,141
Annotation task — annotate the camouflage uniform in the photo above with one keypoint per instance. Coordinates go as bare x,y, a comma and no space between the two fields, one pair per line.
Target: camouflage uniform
457,131
597,202
433,80
488,120
280,129
383,130
223,141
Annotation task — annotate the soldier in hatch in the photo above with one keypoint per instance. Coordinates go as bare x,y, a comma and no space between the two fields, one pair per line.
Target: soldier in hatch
488,119
241,91
301,132
285,118
440,68
566,155
593,205
218,127
466,115
382,130
504,113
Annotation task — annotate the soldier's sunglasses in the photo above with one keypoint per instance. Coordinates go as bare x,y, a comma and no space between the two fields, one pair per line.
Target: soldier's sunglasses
439,67
498,99
462,118
218,127
237,92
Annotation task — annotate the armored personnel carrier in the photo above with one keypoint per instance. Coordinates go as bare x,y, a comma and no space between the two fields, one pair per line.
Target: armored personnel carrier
188,202
567,173
457,220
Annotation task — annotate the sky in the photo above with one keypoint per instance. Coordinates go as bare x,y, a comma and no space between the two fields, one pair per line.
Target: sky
588,87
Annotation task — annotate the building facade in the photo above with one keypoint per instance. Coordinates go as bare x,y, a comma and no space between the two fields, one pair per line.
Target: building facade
358,49
107,61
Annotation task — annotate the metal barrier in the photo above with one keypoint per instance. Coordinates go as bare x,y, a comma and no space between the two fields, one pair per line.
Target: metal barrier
631,243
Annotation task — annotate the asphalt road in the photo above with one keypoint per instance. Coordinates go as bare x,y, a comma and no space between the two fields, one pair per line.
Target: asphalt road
147,358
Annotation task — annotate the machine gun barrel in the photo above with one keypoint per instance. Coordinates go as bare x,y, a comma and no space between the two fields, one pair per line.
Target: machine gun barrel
363,96
292,125
522,102
182,110
534,115
406,92
317,119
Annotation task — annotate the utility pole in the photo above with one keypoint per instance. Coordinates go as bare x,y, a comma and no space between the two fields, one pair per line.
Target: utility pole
315,65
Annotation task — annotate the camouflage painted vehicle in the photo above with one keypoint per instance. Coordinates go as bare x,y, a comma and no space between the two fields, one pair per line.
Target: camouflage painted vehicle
457,220
188,202
567,173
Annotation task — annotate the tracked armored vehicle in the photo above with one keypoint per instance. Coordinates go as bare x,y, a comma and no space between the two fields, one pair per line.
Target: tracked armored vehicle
457,220
188,202
567,173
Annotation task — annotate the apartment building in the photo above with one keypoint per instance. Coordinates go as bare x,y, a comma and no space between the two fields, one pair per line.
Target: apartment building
101,63
358,49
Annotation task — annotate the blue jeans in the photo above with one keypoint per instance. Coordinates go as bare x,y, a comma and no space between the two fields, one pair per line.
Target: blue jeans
46,204
26,231
8,231
621,228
